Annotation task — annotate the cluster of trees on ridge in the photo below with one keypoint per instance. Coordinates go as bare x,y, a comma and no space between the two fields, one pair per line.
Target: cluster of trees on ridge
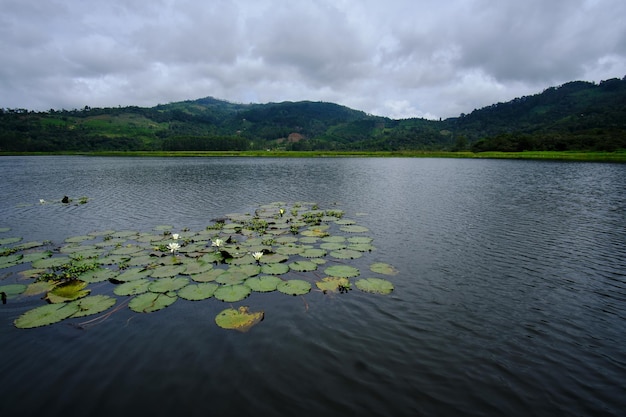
574,116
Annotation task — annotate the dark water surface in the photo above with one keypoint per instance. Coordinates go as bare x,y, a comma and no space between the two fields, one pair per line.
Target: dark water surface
511,296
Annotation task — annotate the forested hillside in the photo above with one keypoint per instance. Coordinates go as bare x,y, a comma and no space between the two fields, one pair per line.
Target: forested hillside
575,116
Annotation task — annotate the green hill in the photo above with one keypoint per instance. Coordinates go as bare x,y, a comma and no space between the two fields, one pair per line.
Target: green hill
574,116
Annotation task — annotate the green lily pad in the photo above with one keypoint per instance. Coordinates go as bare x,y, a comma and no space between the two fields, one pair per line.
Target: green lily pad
97,275
274,258
332,246
374,285
332,284
264,283
10,260
196,267
111,242
113,259
150,302
212,257
45,315
9,240
342,271
79,239
38,287
286,240
93,305
241,319
303,266
316,232
132,274
125,234
210,275
127,250
168,284
383,268
142,259
354,229
231,277
360,239
242,260
346,254
30,245
167,271
232,293
67,291
334,239
294,287
13,290
289,250
313,253
50,262
35,256
195,292
361,247
274,269
135,287
248,270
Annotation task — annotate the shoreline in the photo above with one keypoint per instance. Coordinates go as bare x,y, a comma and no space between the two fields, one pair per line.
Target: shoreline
581,156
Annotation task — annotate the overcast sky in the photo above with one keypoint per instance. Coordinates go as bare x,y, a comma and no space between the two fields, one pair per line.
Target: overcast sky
396,58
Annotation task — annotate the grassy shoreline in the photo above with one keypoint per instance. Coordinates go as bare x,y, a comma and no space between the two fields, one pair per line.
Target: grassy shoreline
619,156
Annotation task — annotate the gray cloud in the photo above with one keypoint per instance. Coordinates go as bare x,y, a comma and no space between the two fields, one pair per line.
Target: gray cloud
399,58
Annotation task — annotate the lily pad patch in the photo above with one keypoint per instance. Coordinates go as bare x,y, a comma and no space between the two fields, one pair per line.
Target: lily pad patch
275,247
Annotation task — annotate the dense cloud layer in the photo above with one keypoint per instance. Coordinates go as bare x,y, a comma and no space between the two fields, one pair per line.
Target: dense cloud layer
399,58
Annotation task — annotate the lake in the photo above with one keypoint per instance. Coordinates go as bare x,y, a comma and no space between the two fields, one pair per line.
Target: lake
510,297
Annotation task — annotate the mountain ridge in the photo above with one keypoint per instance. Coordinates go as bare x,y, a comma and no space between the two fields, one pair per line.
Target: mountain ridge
577,115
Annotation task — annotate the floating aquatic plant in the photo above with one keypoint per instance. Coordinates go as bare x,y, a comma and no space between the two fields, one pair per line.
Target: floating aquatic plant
374,285
241,319
333,284
294,287
276,247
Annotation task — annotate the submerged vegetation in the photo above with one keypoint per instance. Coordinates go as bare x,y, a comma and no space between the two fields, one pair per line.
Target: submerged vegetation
292,249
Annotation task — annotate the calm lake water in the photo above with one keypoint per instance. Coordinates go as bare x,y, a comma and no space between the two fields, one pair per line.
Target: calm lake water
510,298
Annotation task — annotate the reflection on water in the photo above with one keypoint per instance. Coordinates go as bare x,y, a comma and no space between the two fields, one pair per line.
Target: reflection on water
510,298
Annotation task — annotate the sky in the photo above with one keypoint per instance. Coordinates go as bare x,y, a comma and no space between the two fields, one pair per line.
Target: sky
394,58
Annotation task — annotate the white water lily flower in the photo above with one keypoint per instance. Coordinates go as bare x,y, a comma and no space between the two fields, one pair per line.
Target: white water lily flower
217,242
257,255
175,236
173,247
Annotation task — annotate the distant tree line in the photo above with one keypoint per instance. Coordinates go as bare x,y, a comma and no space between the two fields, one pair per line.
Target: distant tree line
574,116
